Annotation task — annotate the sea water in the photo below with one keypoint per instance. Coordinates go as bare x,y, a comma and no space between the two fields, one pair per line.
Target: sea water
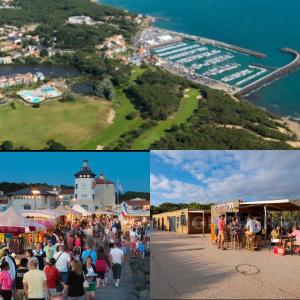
261,25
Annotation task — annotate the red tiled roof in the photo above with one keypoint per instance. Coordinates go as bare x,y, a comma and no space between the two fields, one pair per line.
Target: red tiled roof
138,202
103,181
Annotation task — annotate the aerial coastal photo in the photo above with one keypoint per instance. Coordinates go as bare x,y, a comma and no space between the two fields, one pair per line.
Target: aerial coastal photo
139,75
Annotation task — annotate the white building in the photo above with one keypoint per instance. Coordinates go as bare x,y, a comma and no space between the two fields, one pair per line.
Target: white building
84,187
93,193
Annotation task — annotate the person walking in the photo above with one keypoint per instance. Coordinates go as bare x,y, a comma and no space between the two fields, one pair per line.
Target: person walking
89,251
35,282
73,287
62,259
22,269
102,266
6,282
89,270
52,276
116,259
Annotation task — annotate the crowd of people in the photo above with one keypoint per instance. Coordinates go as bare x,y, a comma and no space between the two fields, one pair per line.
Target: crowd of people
72,261
252,230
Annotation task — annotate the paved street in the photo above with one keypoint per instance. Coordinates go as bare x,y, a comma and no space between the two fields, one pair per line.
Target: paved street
190,267
123,292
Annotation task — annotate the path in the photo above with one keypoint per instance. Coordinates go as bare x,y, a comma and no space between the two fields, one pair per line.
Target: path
123,292
190,267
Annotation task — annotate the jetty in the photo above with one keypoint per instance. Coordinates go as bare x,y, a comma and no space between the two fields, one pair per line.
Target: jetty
278,73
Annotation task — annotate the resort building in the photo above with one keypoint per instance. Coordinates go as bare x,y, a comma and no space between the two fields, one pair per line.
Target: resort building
81,20
32,198
138,204
113,45
18,79
93,193
183,221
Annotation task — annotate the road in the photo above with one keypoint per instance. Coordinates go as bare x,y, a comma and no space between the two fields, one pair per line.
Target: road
190,267
123,292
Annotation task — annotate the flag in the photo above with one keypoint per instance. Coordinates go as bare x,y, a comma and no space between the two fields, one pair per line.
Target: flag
120,188
124,211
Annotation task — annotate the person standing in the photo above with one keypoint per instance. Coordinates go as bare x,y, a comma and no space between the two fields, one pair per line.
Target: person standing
116,259
221,234
22,269
62,259
50,250
10,260
52,276
73,287
6,282
39,253
35,282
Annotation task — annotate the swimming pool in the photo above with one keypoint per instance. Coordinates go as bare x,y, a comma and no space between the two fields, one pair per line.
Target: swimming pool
40,94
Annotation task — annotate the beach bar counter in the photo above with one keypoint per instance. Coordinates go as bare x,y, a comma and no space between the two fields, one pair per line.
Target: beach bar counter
262,209
183,221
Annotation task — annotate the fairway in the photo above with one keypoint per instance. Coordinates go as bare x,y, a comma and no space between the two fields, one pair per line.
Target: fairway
70,123
123,107
187,105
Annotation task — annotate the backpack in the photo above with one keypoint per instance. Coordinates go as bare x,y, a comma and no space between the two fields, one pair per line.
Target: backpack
101,265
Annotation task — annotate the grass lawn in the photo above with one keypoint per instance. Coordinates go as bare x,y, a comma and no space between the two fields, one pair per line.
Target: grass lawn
186,108
70,123
123,107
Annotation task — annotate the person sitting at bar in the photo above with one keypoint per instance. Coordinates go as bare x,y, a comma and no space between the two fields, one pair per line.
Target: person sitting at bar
296,234
258,229
251,226
275,233
235,228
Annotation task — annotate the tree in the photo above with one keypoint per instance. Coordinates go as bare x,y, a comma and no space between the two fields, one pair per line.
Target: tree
7,145
104,89
52,145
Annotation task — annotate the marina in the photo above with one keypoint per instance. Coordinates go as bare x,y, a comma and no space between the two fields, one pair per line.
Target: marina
236,70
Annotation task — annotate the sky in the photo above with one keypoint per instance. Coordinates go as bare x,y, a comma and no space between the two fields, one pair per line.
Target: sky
55,168
218,176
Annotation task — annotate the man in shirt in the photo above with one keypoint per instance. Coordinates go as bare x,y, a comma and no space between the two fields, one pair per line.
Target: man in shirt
89,252
22,269
63,260
35,282
50,250
39,253
221,234
116,259
250,226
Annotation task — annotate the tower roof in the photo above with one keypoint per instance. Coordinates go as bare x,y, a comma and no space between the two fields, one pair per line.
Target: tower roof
85,171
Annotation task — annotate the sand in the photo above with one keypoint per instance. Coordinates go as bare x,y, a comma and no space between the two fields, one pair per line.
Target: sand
111,116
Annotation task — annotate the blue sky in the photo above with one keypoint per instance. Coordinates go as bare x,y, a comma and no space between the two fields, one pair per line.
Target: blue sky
131,168
217,176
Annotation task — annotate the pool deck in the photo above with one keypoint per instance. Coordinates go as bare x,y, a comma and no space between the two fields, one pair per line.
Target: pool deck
190,267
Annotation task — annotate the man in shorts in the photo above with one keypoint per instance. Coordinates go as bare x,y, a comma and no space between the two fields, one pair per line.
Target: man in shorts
116,259
221,234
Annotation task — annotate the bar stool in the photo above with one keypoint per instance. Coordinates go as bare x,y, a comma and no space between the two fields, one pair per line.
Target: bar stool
250,242
235,242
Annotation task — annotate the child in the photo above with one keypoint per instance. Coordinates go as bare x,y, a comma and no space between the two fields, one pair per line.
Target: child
141,249
6,282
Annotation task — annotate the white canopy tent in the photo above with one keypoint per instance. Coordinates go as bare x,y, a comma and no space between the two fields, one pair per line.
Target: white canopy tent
45,213
12,218
81,210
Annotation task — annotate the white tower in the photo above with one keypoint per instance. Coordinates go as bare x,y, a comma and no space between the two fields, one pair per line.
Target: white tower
84,187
